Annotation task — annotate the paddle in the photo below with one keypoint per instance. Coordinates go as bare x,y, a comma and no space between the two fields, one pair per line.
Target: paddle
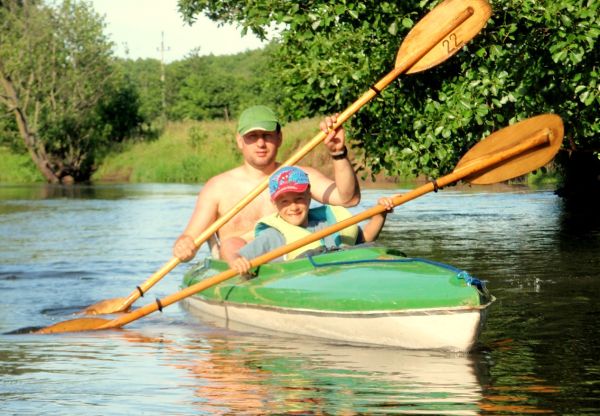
510,152
435,38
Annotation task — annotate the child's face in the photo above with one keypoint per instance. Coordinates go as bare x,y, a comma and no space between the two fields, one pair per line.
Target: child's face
293,207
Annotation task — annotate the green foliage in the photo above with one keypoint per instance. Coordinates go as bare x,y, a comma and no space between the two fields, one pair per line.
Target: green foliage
9,134
60,84
543,178
145,75
119,109
201,87
534,56
217,87
17,168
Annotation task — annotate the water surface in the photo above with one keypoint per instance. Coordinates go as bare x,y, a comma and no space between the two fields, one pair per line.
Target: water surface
63,248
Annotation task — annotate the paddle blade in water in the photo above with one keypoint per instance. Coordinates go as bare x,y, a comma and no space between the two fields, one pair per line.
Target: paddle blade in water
106,306
448,27
74,325
549,126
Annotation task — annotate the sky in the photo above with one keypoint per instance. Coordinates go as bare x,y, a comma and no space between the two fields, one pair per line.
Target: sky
135,27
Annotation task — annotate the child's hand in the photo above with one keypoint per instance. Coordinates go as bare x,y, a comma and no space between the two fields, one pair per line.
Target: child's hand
387,202
240,265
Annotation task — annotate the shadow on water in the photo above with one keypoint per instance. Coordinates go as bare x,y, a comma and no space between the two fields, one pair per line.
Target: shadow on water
578,239
580,219
26,330
82,191
543,331
49,191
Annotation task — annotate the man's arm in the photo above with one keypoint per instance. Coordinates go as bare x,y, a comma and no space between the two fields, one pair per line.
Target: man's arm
205,213
344,189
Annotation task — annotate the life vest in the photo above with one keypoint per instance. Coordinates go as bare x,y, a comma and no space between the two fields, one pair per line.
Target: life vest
328,213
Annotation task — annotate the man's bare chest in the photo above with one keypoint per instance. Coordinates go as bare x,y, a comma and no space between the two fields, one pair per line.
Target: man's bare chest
246,218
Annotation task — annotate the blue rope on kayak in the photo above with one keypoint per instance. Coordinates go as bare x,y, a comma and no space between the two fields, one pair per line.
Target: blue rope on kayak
472,281
461,274
410,260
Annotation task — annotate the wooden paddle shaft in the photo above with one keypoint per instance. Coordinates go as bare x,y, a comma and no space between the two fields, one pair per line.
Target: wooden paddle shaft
403,64
539,139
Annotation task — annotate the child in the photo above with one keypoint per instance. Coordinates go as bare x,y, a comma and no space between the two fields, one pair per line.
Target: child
290,193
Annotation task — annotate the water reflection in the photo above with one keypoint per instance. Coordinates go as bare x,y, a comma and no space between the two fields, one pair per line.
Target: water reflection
82,191
232,372
280,375
312,376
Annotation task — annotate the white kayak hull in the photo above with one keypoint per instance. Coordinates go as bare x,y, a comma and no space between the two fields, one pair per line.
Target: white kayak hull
448,329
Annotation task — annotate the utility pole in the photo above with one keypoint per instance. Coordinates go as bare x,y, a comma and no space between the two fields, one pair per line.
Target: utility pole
162,74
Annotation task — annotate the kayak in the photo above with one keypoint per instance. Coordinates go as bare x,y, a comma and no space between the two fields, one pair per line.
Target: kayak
363,294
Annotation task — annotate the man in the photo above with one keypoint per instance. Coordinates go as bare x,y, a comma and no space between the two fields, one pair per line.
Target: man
259,138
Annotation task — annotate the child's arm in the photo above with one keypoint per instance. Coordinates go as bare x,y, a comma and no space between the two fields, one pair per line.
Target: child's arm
268,240
240,264
373,227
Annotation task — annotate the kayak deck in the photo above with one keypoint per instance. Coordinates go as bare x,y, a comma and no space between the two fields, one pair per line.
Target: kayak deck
352,280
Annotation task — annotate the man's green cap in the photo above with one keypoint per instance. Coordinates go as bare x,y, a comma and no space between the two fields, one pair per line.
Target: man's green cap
259,117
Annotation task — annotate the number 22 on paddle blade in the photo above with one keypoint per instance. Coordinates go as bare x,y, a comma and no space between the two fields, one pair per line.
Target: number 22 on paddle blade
473,15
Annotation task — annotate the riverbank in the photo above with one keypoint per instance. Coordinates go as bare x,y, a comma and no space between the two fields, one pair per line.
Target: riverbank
192,152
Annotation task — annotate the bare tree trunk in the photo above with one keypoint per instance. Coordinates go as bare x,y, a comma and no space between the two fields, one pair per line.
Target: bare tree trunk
35,149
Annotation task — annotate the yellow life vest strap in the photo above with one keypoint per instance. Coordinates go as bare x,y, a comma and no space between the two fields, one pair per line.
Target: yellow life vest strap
291,233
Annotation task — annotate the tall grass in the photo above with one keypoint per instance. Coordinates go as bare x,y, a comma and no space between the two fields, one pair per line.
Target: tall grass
190,152
299,133
185,152
16,168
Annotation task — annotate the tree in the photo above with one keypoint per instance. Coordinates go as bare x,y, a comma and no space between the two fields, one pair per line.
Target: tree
211,87
534,56
144,74
59,83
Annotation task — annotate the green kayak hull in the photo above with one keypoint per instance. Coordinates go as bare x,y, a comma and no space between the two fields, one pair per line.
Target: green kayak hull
349,289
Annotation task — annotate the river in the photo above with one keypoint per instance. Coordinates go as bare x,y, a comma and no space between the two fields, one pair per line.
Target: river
64,248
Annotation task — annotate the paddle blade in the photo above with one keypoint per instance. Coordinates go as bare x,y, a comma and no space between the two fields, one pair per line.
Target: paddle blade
450,25
106,307
74,325
549,125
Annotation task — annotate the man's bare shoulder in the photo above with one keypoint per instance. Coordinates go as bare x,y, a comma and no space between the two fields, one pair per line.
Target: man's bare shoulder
225,178
213,188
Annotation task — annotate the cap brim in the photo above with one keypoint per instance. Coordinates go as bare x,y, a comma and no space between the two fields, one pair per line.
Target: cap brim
251,129
296,188
265,126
